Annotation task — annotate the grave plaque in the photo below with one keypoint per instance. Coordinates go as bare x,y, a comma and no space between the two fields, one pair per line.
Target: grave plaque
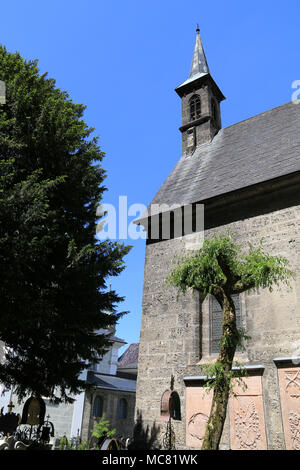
289,384
198,404
246,415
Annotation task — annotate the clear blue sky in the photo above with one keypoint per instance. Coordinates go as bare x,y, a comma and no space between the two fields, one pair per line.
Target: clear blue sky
123,59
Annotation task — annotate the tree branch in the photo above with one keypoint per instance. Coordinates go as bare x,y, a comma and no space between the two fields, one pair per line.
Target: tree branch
240,287
230,278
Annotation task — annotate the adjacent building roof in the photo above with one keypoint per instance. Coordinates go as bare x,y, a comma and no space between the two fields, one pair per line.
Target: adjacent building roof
253,151
115,339
129,359
111,382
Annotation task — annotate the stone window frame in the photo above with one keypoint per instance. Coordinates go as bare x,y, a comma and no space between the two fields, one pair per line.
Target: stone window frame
195,107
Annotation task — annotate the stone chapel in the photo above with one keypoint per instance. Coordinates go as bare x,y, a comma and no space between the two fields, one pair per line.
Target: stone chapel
247,176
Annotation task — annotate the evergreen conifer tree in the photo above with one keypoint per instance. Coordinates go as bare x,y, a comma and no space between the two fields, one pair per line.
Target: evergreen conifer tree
54,271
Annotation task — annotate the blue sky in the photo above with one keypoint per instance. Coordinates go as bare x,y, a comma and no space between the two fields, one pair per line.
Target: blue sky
124,59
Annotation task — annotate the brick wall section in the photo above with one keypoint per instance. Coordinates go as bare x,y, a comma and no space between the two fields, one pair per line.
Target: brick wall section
175,331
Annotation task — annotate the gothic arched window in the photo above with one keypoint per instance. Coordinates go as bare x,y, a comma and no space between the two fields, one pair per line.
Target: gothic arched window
195,107
122,408
98,407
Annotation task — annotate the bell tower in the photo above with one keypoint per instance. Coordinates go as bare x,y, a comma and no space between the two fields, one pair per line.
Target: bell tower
201,97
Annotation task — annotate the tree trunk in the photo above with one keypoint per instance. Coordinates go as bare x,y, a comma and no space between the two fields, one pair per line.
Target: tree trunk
228,346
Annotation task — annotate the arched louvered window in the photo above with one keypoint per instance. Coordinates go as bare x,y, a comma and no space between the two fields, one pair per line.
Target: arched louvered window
98,407
195,107
123,408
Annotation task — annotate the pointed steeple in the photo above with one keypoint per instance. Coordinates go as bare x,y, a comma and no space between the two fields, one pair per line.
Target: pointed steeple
201,98
199,63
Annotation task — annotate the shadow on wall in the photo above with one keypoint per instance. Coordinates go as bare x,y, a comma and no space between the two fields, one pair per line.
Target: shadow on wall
144,438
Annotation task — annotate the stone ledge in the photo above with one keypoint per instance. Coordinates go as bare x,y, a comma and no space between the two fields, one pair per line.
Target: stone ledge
292,361
251,370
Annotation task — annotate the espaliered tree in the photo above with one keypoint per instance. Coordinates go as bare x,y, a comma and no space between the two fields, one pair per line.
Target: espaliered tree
53,270
221,269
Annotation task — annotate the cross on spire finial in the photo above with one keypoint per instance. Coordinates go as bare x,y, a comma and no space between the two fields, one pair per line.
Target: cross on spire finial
199,63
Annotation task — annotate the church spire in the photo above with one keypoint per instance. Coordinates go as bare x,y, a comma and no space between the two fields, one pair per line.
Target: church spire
199,63
201,97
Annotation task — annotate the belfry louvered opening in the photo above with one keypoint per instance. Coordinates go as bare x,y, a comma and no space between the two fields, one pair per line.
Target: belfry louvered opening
195,107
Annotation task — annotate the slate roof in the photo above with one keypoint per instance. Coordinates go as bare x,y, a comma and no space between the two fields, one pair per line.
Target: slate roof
129,359
256,150
199,62
111,382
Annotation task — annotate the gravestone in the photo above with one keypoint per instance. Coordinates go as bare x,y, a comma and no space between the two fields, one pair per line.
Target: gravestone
198,405
289,384
246,414
34,411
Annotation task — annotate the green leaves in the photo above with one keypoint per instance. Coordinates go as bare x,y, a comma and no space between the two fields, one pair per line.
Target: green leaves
260,269
220,263
101,428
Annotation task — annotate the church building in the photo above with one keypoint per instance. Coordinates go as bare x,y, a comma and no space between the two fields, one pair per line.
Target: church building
247,177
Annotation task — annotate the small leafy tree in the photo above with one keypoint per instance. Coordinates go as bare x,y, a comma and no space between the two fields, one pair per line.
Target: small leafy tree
221,269
64,444
102,430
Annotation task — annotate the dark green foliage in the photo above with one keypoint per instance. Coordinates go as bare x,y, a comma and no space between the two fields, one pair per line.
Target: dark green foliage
53,278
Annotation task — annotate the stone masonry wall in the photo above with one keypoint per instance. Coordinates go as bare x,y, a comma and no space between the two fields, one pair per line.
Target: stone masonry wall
124,427
174,336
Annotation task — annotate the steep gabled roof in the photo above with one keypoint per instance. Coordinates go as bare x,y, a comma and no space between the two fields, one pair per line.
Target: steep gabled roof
129,358
261,148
